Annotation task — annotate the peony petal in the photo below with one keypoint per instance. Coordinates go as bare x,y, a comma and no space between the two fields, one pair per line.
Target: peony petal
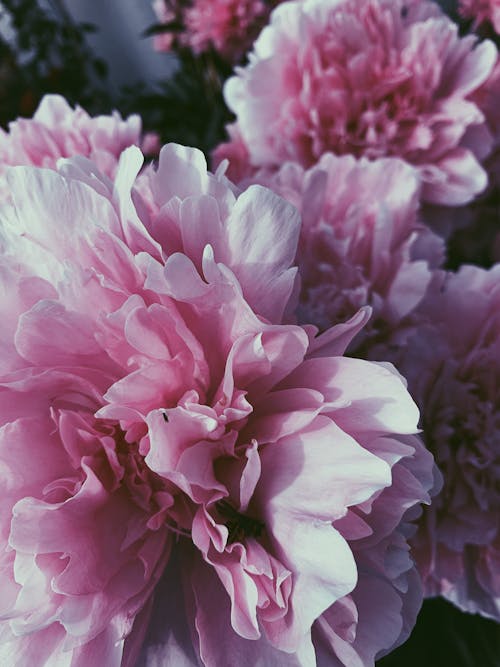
298,514
461,178
44,332
219,645
261,251
347,385
324,453
182,172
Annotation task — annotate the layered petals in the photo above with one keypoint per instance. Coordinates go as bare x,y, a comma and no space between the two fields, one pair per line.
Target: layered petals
372,79
186,476
450,354
58,131
361,242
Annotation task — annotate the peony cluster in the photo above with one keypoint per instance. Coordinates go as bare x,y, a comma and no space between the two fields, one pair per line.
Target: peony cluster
374,79
481,11
229,27
357,112
361,242
186,478
222,401
450,354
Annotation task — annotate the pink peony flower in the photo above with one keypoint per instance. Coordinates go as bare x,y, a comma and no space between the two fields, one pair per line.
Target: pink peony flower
481,11
361,243
473,229
227,26
374,78
58,131
451,357
185,478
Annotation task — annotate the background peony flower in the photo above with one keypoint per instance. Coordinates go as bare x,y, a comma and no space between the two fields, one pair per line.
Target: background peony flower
481,11
162,430
58,131
451,358
476,235
375,78
227,26
361,243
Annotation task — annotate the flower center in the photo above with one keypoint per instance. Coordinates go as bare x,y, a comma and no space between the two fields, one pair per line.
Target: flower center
239,525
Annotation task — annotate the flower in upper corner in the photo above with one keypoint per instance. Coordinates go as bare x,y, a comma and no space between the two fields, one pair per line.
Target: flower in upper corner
58,131
376,78
361,243
229,27
481,11
450,355
186,479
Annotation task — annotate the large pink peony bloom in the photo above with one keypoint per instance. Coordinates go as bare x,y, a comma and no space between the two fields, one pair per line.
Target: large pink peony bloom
58,131
481,11
372,78
451,357
361,243
184,478
227,26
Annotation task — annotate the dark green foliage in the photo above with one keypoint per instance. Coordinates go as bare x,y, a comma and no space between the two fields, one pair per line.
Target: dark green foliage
188,107
446,637
48,53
